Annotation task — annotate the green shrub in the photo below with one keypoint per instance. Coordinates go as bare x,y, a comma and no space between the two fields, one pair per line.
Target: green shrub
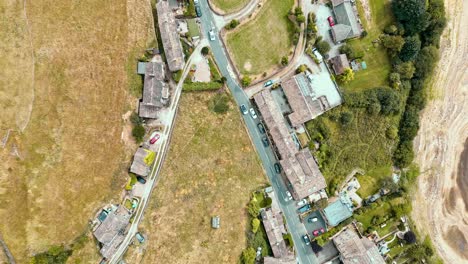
246,81
201,86
55,255
255,225
138,133
248,256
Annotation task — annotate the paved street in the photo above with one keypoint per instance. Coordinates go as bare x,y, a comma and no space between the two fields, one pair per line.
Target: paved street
295,227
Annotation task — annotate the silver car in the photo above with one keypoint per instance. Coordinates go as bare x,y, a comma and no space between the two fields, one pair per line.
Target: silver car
252,113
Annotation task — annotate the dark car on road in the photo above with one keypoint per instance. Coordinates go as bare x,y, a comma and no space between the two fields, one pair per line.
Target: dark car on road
261,128
265,141
141,180
306,239
244,110
198,11
277,168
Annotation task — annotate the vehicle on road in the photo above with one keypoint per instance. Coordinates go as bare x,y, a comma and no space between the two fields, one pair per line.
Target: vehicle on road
198,11
268,83
212,35
306,239
265,142
141,180
277,167
331,21
315,232
302,202
318,55
244,110
304,209
154,137
312,219
261,128
252,113
288,196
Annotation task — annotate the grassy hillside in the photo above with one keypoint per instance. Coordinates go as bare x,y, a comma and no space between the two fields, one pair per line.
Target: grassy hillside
64,89
229,6
211,169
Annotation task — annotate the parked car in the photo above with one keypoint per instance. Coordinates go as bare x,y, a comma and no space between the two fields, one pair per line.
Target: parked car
277,168
198,11
252,113
302,202
141,180
331,21
261,128
304,209
312,219
265,142
212,35
154,137
321,230
268,83
288,196
244,110
140,238
195,2
306,239
315,232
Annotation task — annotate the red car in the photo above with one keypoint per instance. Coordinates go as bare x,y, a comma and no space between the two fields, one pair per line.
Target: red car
315,233
154,138
331,21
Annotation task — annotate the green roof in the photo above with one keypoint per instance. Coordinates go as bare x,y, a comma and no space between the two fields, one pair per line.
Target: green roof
337,212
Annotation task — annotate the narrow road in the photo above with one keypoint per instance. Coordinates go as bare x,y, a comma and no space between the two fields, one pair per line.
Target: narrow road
295,227
151,182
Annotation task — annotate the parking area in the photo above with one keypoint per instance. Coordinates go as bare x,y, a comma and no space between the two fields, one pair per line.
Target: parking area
322,13
317,225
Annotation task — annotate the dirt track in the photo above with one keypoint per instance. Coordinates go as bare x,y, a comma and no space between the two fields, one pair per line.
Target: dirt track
439,207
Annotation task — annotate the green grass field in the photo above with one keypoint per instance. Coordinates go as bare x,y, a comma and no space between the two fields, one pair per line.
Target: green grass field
378,64
229,6
259,45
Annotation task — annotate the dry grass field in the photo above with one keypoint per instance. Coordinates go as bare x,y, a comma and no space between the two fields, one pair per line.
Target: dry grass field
63,91
211,169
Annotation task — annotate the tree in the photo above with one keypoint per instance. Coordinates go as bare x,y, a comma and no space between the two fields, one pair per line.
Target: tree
410,49
234,23
404,154
323,47
223,80
437,23
391,132
300,19
394,78
392,43
135,119
409,123
255,225
351,52
346,76
268,201
205,50
406,70
391,30
138,132
411,14
410,237
426,60
253,208
246,80
346,118
248,255
284,60
389,99
301,68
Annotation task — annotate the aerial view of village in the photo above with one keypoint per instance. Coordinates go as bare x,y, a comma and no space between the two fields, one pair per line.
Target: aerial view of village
234,131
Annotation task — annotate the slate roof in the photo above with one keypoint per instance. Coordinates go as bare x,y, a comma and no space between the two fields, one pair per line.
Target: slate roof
153,88
274,227
170,36
110,232
354,249
347,25
139,167
299,167
340,63
302,99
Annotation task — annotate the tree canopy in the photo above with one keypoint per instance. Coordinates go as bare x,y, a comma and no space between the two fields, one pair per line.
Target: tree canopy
410,49
411,14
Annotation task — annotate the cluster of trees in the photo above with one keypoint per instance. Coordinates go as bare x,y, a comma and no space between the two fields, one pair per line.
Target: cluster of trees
296,16
56,254
413,45
138,131
380,100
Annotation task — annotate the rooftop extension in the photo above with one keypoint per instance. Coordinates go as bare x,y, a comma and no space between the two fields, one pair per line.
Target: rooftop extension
155,89
347,24
170,36
355,249
300,167
110,233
